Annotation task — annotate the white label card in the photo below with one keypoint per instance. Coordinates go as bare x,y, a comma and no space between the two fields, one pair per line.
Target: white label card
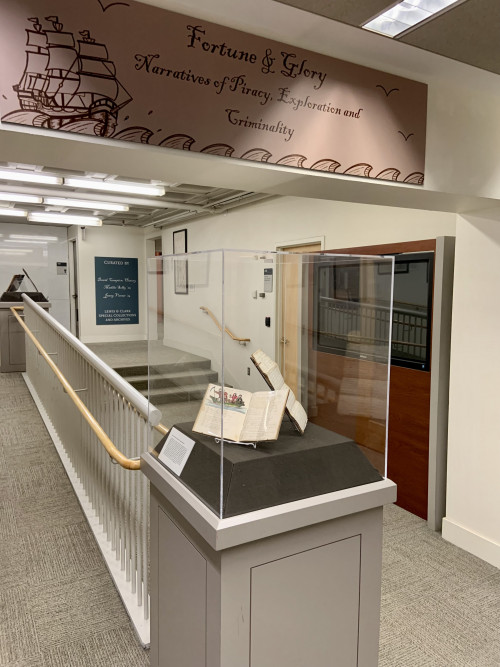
176,450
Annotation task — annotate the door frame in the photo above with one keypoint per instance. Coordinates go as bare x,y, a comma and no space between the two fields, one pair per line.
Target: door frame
301,346
444,256
74,321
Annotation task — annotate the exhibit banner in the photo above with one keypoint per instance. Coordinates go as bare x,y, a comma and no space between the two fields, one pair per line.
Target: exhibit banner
116,290
134,72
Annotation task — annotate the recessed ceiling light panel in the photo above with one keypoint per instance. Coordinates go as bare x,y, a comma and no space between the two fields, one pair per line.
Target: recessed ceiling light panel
406,15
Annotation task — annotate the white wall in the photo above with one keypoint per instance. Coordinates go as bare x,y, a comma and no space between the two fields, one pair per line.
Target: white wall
285,220
109,241
222,282
266,226
473,497
37,248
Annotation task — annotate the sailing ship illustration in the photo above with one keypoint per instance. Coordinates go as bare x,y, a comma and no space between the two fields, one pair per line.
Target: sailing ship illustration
69,81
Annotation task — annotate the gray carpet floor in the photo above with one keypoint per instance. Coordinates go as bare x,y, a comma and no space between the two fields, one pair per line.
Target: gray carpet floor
59,607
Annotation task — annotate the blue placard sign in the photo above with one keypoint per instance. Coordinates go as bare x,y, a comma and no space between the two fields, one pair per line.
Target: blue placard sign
116,290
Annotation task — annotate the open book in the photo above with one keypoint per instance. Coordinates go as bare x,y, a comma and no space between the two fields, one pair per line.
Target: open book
247,416
272,375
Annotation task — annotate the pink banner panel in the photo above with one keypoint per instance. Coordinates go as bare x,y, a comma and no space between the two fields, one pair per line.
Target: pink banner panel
133,72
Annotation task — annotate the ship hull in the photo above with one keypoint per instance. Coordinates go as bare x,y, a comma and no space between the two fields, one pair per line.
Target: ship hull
103,114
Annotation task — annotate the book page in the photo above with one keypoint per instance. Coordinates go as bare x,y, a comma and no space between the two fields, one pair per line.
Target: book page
271,373
264,416
298,415
275,378
264,362
236,403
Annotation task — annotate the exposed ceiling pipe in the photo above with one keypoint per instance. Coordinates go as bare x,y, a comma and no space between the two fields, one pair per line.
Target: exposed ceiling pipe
163,221
248,198
70,193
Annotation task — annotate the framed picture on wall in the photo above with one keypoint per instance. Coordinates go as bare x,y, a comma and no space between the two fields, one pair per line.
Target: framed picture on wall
180,265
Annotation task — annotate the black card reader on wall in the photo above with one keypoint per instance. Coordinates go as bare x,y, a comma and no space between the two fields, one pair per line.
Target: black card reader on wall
268,321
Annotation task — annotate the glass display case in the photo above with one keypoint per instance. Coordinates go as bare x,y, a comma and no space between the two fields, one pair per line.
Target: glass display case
271,370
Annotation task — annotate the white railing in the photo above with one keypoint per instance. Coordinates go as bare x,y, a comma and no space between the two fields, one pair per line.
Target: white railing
115,499
368,324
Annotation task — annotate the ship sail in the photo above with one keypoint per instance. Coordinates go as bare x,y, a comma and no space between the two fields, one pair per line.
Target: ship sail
97,67
55,38
61,58
97,87
123,97
36,63
92,50
36,39
61,89
34,78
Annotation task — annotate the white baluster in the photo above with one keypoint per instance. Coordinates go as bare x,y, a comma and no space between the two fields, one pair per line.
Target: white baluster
117,498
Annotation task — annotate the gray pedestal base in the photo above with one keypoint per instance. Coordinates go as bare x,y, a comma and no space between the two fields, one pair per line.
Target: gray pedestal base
12,343
295,585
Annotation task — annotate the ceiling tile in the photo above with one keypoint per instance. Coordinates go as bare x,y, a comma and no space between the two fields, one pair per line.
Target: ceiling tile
353,12
468,33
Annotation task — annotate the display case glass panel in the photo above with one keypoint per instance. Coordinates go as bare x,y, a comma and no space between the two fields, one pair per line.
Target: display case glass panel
271,370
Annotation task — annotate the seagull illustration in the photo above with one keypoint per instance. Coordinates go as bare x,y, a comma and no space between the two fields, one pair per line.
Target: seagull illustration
105,7
387,93
406,136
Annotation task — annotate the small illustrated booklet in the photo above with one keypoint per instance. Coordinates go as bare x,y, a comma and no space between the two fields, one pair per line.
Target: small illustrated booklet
272,375
247,416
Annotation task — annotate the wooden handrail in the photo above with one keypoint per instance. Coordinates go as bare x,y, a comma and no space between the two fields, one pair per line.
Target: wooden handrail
113,451
206,310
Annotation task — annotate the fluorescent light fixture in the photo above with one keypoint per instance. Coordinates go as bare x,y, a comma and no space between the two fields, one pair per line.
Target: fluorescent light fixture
63,219
29,177
23,199
116,186
29,237
85,203
22,242
13,212
405,15
15,251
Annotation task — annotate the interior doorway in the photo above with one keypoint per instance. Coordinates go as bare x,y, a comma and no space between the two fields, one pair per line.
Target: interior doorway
290,316
159,290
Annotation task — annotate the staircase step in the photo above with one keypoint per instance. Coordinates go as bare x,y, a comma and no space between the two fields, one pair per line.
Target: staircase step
164,395
175,379
180,366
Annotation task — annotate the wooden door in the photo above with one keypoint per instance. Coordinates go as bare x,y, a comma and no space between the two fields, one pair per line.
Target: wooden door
290,313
